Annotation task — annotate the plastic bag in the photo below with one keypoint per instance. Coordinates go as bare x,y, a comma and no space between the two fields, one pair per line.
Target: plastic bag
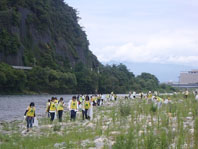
90,112
196,97
35,124
24,119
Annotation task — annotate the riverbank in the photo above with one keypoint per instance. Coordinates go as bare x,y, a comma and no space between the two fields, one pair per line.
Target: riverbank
24,93
116,124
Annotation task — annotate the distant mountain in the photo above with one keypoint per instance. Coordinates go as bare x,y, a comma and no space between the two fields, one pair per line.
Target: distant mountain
45,33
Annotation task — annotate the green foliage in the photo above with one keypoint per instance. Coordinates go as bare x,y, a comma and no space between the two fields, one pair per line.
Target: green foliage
57,127
115,78
3,5
125,109
49,80
9,43
196,133
81,80
11,80
153,107
87,80
125,141
148,81
166,88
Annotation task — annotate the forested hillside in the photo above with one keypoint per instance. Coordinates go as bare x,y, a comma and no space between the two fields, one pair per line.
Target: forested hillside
45,35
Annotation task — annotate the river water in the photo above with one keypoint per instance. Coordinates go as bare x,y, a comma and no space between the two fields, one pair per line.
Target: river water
12,107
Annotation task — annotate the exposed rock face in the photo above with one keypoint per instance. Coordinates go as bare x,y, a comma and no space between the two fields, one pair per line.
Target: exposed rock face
47,33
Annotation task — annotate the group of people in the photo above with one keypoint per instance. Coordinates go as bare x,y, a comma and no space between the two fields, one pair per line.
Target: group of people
111,97
84,104
55,108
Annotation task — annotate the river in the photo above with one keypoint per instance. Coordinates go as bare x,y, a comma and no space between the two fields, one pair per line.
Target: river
12,107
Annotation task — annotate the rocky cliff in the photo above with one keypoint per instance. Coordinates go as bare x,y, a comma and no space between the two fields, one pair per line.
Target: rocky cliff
44,33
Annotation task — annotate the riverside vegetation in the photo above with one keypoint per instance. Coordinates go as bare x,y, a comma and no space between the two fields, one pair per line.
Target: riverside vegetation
124,123
115,78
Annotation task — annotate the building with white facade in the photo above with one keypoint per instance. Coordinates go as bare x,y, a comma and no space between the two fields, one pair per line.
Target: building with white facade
189,77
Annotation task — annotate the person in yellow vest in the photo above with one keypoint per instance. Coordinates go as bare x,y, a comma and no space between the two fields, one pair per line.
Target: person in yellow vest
30,114
94,100
186,94
56,100
60,109
141,95
87,105
80,99
52,109
149,96
159,101
73,107
115,97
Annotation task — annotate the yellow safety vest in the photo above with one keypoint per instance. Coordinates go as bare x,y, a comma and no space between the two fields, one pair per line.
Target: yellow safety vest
52,106
30,112
47,105
159,99
80,99
56,101
150,95
73,105
92,99
87,104
60,106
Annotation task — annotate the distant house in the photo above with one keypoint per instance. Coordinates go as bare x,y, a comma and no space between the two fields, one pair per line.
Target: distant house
189,77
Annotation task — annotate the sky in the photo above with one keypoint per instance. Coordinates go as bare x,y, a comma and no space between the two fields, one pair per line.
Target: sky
155,36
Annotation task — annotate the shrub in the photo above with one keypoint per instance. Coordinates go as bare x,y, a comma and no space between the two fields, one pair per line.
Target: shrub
153,107
125,109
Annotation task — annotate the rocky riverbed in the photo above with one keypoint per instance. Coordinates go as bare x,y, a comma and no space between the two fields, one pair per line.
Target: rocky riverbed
127,123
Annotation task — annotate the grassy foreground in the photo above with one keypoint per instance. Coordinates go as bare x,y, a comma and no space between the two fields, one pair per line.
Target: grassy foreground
121,124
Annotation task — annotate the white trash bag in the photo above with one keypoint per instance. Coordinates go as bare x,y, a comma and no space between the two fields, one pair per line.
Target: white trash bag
90,112
35,124
196,97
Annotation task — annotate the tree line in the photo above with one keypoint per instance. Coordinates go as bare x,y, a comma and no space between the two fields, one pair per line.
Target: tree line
79,79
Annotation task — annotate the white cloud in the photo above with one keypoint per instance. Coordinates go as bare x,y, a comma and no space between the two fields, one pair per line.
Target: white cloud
142,31
168,47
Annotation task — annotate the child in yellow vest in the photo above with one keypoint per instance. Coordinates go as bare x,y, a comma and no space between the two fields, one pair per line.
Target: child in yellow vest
60,109
186,94
30,114
86,106
149,95
73,107
52,109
